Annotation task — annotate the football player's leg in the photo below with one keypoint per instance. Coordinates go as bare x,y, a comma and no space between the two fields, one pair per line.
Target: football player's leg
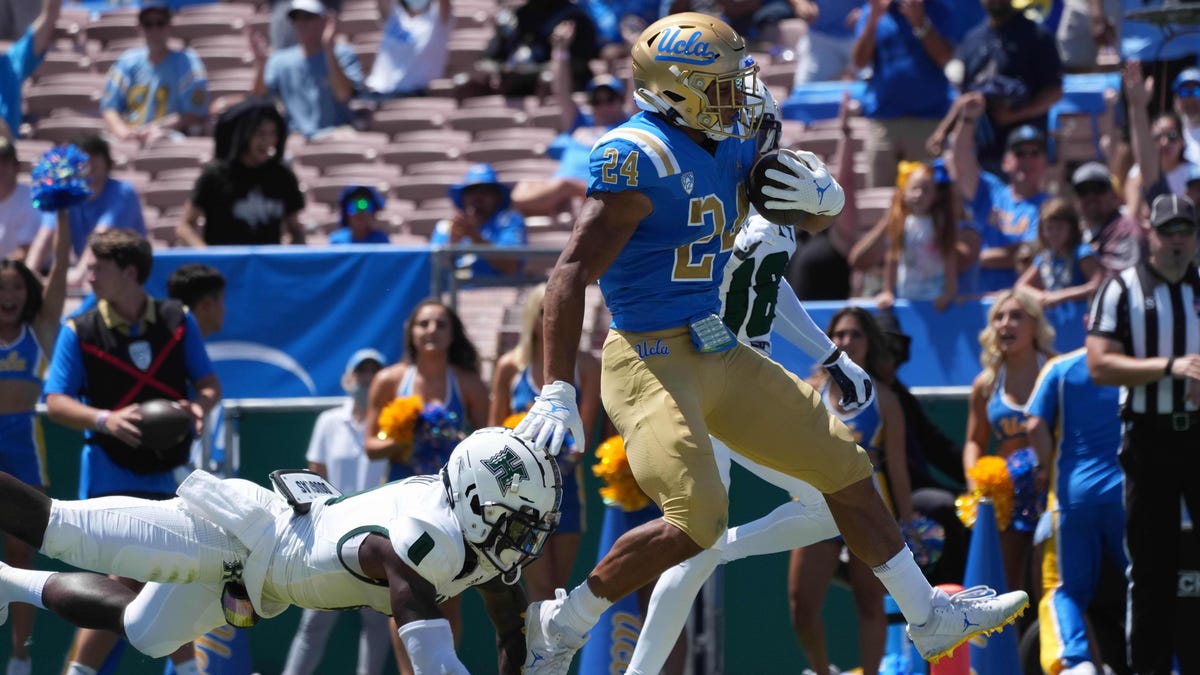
803,520
139,539
26,510
164,617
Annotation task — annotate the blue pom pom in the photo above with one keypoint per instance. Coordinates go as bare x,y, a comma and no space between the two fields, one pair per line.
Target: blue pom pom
60,179
1028,503
926,538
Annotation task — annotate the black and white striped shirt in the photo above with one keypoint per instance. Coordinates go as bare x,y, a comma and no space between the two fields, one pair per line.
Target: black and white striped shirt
1150,317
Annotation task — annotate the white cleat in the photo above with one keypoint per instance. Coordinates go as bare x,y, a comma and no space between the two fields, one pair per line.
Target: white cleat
957,618
549,645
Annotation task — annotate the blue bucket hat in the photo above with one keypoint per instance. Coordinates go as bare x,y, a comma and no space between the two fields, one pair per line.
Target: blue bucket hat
480,174
377,200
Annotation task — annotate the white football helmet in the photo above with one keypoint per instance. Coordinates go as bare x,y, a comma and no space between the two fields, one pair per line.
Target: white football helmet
505,495
697,71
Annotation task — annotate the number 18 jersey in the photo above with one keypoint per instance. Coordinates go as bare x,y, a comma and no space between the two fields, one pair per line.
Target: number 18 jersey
750,289
670,270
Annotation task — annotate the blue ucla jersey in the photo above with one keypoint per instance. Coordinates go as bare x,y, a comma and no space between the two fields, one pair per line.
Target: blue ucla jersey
23,359
142,91
1006,419
1087,431
670,270
750,290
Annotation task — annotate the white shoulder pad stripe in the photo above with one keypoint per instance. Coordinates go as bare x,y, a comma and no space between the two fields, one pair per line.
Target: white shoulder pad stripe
662,157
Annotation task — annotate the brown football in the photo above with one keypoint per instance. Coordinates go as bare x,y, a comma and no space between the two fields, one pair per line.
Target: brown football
758,179
165,425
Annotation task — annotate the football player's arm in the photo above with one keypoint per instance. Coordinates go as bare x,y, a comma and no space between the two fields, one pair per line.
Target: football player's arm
504,604
422,628
794,324
606,222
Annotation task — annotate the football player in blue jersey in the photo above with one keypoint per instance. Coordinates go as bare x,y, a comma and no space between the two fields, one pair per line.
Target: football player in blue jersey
665,202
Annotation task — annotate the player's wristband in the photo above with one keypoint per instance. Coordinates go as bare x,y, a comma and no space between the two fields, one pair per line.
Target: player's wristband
1170,362
101,420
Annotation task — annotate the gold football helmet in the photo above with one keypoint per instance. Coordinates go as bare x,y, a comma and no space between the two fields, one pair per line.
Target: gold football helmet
696,70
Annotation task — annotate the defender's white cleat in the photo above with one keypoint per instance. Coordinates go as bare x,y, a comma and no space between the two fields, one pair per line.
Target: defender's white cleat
960,617
549,645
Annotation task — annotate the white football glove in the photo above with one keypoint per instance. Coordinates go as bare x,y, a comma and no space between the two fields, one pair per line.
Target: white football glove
808,189
553,414
855,383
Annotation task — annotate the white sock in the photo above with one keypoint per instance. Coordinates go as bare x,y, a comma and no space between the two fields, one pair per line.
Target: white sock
188,667
670,604
583,608
22,585
19,666
909,588
76,668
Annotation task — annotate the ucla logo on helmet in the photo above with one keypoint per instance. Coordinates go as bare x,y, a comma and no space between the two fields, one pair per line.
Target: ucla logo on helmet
673,46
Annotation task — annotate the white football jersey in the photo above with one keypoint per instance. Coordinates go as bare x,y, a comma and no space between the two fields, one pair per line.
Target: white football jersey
309,567
761,252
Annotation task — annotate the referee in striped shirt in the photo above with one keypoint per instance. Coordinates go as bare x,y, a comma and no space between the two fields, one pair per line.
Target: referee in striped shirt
1145,336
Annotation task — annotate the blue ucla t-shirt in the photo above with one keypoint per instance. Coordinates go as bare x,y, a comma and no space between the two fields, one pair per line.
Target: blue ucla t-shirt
143,92
1086,422
117,207
670,270
16,65
1003,220
302,83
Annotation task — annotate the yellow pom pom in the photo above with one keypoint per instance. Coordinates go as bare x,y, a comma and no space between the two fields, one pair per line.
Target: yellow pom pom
621,488
992,480
398,419
513,420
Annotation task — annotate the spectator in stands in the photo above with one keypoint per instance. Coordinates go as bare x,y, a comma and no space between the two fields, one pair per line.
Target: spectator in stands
335,451
756,21
483,216
1085,28
19,221
30,314
1187,105
414,47
879,426
515,383
315,78
820,269
1158,149
155,91
357,206
578,132
246,195
441,366
1014,63
114,204
1118,239
19,62
515,60
921,231
282,33
127,350
1005,213
1064,269
619,22
824,51
1014,346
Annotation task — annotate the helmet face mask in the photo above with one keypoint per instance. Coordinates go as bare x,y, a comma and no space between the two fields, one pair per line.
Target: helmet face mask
769,126
696,70
505,496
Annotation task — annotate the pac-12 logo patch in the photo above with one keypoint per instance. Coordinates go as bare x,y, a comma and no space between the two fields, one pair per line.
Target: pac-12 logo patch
688,181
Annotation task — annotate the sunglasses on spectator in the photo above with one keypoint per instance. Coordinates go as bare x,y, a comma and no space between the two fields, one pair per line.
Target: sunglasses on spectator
605,100
1022,153
1092,188
1171,136
1190,91
1176,228
161,23
360,205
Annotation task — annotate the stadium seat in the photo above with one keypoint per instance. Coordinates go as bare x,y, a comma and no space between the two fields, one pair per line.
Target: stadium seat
65,128
368,173
323,156
475,120
327,188
503,150
167,195
42,100
392,122
449,169
192,26
449,138
420,189
165,157
403,155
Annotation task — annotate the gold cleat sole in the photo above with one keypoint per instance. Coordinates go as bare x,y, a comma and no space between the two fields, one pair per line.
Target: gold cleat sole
984,633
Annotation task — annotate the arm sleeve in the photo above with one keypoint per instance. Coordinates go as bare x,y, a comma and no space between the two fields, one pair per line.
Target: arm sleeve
430,646
194,353
793,323
66,368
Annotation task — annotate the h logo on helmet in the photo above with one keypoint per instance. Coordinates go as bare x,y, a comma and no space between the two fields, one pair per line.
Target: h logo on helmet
507,467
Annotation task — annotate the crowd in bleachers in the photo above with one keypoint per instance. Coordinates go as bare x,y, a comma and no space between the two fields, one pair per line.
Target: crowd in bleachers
982,146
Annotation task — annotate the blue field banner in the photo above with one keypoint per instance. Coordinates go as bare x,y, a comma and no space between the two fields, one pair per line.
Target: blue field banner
294,315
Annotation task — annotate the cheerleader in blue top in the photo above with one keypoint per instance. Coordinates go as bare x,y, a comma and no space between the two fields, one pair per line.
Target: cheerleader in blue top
515,384
29,320
879,429
1015,344
442,367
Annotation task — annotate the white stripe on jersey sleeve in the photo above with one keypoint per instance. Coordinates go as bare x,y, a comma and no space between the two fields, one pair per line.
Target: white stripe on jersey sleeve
654,148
